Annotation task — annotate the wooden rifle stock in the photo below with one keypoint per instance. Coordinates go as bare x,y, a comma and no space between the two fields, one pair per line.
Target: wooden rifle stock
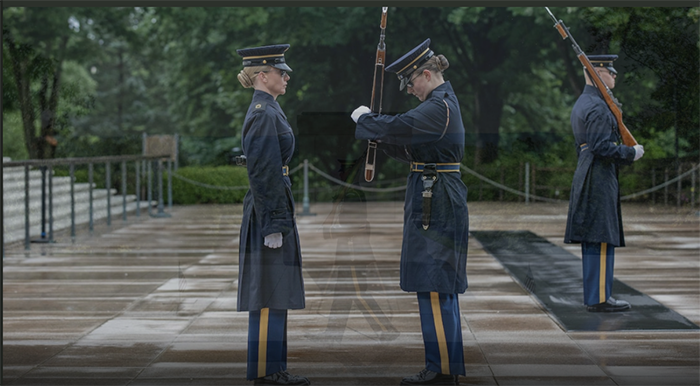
610,100
376,101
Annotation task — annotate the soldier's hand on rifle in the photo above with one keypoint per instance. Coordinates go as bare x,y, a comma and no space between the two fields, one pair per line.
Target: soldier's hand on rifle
274,240
638,152
359,112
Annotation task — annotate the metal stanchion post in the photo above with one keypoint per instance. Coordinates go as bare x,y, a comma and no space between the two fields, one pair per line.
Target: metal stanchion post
678,187
51,204
170,185
26,207
666,187
90,183
692,189
150,184
138,189
123,190
305,200
527,182
72,202
42,238
159,176
108,183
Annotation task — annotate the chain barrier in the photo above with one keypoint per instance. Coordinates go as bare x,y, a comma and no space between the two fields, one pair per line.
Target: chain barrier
507,189
358,187
665,184
462,167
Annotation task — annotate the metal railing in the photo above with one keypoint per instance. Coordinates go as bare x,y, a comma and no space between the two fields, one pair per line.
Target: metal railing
141,162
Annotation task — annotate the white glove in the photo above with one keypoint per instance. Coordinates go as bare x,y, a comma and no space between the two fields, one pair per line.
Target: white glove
273,240
359,112
638,152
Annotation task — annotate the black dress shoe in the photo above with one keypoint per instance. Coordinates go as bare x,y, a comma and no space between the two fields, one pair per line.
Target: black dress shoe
427,377
282,378
611,305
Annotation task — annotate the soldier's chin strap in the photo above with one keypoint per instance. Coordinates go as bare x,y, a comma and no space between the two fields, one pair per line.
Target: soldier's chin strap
429,177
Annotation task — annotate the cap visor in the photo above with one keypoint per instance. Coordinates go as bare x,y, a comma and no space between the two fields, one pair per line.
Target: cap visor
402,86
282,66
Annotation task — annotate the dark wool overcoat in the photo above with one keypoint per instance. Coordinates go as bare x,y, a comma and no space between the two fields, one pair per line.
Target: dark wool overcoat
432,260
268,278
594,204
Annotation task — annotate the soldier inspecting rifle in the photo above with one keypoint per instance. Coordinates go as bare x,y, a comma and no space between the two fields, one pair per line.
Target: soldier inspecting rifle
430,139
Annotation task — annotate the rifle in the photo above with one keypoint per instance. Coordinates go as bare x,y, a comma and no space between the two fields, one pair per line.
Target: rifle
376,102
610,100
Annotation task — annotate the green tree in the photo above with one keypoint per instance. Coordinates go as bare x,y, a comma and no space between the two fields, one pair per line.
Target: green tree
37,42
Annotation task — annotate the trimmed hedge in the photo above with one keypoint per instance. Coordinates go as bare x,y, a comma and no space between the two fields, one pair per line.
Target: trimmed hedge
187,193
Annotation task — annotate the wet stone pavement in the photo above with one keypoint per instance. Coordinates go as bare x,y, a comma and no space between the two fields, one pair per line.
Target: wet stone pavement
153,302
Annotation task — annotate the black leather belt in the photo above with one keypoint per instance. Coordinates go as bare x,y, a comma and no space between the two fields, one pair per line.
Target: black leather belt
242,161
439,167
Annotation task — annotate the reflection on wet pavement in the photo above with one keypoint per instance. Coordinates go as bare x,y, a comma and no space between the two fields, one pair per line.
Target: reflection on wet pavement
153,302
554,276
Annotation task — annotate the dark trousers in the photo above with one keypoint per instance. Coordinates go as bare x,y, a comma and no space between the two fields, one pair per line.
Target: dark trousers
267,342
442,332
598,263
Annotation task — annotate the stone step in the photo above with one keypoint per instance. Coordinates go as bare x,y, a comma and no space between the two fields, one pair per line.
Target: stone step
64,211
60,185
14,207
13,188
17,174
16,232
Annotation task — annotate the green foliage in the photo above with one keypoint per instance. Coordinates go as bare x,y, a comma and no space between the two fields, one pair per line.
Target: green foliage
201,151
13,136
173,70
186,193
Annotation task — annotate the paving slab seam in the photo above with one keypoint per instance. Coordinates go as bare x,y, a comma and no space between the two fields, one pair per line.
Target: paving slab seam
189,324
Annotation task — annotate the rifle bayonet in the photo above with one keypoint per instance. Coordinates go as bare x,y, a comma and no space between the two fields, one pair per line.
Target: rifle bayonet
377,92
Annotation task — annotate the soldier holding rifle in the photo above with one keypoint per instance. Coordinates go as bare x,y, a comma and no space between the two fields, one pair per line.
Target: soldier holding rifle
595,218
430,138
603,143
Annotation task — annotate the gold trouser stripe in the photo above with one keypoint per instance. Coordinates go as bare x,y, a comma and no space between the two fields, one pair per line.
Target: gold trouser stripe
603,266
262,344
440,332
364,303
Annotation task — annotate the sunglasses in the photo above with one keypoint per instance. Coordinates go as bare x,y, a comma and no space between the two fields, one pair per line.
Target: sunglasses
410,82
283,73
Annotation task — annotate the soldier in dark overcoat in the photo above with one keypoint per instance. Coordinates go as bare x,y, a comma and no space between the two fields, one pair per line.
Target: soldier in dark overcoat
430,138
270,279
595,217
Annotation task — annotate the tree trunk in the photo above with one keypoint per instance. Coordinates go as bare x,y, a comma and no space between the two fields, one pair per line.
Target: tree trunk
487,120
19,57
49,106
